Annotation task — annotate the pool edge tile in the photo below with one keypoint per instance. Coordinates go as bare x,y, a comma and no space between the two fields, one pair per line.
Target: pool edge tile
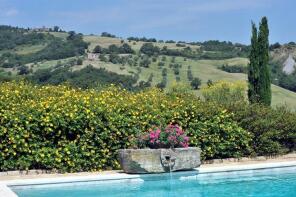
5,191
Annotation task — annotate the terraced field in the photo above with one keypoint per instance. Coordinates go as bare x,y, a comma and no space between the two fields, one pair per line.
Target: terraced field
203,69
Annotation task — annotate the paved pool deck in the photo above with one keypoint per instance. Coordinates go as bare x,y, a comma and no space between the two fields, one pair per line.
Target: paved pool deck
33,177
231,163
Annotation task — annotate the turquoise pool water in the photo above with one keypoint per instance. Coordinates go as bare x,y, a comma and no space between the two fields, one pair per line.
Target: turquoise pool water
279,182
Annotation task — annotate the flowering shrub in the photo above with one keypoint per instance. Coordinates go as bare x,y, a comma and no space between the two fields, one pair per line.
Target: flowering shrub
170,137
225,93
71,130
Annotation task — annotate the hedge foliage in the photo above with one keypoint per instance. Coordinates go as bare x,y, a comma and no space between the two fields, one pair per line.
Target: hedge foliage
225,93
71,130
273,129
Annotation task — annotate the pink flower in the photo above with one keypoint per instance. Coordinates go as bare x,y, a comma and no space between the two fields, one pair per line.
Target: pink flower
171,136
184,145
186,139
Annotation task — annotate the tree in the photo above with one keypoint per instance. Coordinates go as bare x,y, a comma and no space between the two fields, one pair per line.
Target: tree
263,54
149,49
23,70
114,58
79,61
113,49
106,34
258,71
103,58
210,83
275,46
195,83
56,28
160,64
161,85
71,35
164,72
125,48
189,74
145,63
97,49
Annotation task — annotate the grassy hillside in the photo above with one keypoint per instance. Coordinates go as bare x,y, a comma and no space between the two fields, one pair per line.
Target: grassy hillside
136,45
203,69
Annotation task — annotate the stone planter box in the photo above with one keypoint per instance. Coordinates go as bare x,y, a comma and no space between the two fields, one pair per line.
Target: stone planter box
141,161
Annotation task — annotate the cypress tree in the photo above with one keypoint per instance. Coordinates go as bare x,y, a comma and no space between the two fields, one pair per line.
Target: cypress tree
264,89
258,71
253,68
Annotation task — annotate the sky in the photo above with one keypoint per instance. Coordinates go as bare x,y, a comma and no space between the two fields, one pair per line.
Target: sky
180,20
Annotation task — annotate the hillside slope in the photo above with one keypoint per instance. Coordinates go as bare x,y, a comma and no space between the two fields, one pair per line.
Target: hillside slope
203,69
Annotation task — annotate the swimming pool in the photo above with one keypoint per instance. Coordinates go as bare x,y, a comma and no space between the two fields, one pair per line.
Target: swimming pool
277,182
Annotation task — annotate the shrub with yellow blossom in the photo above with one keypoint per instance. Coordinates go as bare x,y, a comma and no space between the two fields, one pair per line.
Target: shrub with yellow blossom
226,93
72,130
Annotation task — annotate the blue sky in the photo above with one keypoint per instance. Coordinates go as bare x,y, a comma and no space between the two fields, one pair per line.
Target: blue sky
188,20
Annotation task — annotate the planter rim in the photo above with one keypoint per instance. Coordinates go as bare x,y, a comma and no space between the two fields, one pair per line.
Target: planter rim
147,160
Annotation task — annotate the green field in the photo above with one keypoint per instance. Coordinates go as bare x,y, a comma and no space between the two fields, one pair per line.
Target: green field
106,41
27,49
203,69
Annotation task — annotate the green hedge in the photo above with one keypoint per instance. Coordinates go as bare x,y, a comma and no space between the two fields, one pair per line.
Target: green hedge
273,129
71,130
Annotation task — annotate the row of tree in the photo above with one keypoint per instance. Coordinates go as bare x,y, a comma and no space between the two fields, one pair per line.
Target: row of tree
125,48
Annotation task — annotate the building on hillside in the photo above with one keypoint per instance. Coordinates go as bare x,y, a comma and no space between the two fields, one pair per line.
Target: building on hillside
289,65
41,29
92,56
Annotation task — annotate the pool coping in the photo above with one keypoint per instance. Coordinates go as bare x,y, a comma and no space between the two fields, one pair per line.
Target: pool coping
111,176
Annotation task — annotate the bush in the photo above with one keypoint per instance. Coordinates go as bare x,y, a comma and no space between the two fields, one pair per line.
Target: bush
87,77
180,45
164,72
106,34
273,130
114,58
103,58
195,83
23,70
79,61
162,84
234,68
176,71
161,64
97,49
189,74
149,49
145,63
71,130
218,136
225,93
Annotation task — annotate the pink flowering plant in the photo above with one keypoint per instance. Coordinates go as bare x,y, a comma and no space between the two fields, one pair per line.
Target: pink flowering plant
172,136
